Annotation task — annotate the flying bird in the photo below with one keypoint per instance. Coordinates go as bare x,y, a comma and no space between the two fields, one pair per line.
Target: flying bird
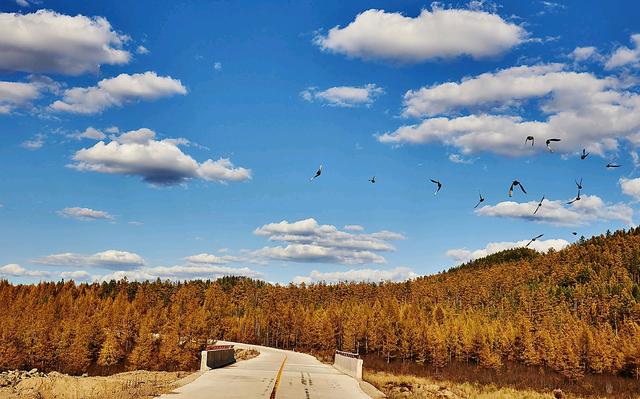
539,205
574,200
514,184
532,240
612,165
531,139
574,233
579,184
436,182
585,154
373,179
318,173
549,142
480,201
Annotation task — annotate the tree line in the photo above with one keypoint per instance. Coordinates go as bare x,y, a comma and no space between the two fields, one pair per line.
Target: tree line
575,311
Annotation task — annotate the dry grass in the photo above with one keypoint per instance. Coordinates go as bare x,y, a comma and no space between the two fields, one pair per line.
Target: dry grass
245,354
130,385
409,386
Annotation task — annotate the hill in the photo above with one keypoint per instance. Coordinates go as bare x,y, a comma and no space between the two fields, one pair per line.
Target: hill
575,311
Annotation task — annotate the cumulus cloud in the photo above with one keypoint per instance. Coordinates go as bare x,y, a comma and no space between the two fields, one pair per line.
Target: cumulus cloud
217,66
582,110
353,227
308,241
115,92
462,255
15,270
630,187
369,275
209,259
84,214
78,275
457,158
160,162
504,88
35,143
180,273
344,96
111,259
625,56
21,94
46,41
89,133
590,208
436,34
581,54
142,50
15,94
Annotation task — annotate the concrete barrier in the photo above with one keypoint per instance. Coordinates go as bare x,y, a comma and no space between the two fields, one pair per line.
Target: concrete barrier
217,356
348,363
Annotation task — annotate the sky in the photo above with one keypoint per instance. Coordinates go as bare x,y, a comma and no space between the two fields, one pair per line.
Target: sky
177,140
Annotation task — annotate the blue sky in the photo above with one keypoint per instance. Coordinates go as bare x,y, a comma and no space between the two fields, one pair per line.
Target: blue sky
177,139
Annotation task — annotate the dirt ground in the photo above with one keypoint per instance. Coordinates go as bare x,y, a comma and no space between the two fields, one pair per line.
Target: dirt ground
130,385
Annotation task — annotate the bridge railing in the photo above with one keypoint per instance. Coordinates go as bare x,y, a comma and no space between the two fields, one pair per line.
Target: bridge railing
348,354
218,347
349,363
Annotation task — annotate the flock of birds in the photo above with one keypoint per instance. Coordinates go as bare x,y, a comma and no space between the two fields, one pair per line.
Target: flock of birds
514,183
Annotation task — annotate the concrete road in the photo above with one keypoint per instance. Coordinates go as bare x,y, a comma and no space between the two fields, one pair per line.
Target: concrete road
302,377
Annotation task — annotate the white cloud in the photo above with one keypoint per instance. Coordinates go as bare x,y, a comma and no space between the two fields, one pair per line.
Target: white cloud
15,270
583,111
35,143
157,161
46,41
77,275
111,259
344,96
217,66
84,214
624,56
308,241
504,88
89,133
462,255
630,187
142,50
353,227
180,273
581,54
22,3
457,158
209,259
118,91
21,94
436,34
589,209
369,275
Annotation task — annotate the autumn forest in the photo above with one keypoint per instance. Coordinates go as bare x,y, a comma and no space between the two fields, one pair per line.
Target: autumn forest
576,311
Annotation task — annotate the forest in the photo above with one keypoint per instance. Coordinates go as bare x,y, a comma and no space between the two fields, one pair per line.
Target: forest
575,311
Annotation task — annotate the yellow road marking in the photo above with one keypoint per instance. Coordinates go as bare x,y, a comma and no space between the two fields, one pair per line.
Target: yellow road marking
277,384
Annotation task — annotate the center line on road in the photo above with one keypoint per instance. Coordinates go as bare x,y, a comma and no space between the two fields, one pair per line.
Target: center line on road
277,384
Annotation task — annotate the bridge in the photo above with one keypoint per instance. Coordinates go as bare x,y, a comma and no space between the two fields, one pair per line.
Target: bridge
276,373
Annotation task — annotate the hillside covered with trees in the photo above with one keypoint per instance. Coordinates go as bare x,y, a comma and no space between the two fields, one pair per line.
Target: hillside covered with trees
576,311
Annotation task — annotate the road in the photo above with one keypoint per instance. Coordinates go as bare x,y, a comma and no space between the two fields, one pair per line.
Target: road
302,377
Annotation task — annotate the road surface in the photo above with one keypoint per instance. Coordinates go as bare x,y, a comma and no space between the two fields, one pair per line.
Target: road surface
302,377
